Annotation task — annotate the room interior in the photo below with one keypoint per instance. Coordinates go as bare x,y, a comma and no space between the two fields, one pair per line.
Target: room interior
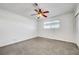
24,30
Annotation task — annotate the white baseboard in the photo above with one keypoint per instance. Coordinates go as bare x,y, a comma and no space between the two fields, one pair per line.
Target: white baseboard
9,43
1,45
57,39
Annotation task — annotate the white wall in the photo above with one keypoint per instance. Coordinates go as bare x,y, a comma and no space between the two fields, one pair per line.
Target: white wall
77,30
77,24
64,33
15,28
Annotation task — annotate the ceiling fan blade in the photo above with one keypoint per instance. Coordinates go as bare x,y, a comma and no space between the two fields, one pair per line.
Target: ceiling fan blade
40,10
46,12
36,10
33,14
44,15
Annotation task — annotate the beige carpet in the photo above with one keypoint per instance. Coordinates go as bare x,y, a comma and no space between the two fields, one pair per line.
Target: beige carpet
40,46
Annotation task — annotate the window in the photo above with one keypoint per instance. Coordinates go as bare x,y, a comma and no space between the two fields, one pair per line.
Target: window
55,24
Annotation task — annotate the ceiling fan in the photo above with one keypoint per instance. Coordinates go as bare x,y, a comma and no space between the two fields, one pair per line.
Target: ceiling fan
39,11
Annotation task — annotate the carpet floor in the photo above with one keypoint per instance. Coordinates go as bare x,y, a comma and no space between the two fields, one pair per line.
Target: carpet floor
40,46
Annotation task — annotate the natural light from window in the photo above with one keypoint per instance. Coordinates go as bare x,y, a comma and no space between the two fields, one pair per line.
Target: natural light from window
55,24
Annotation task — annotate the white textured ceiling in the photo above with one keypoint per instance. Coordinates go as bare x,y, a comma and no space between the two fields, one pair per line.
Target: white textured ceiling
26,9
